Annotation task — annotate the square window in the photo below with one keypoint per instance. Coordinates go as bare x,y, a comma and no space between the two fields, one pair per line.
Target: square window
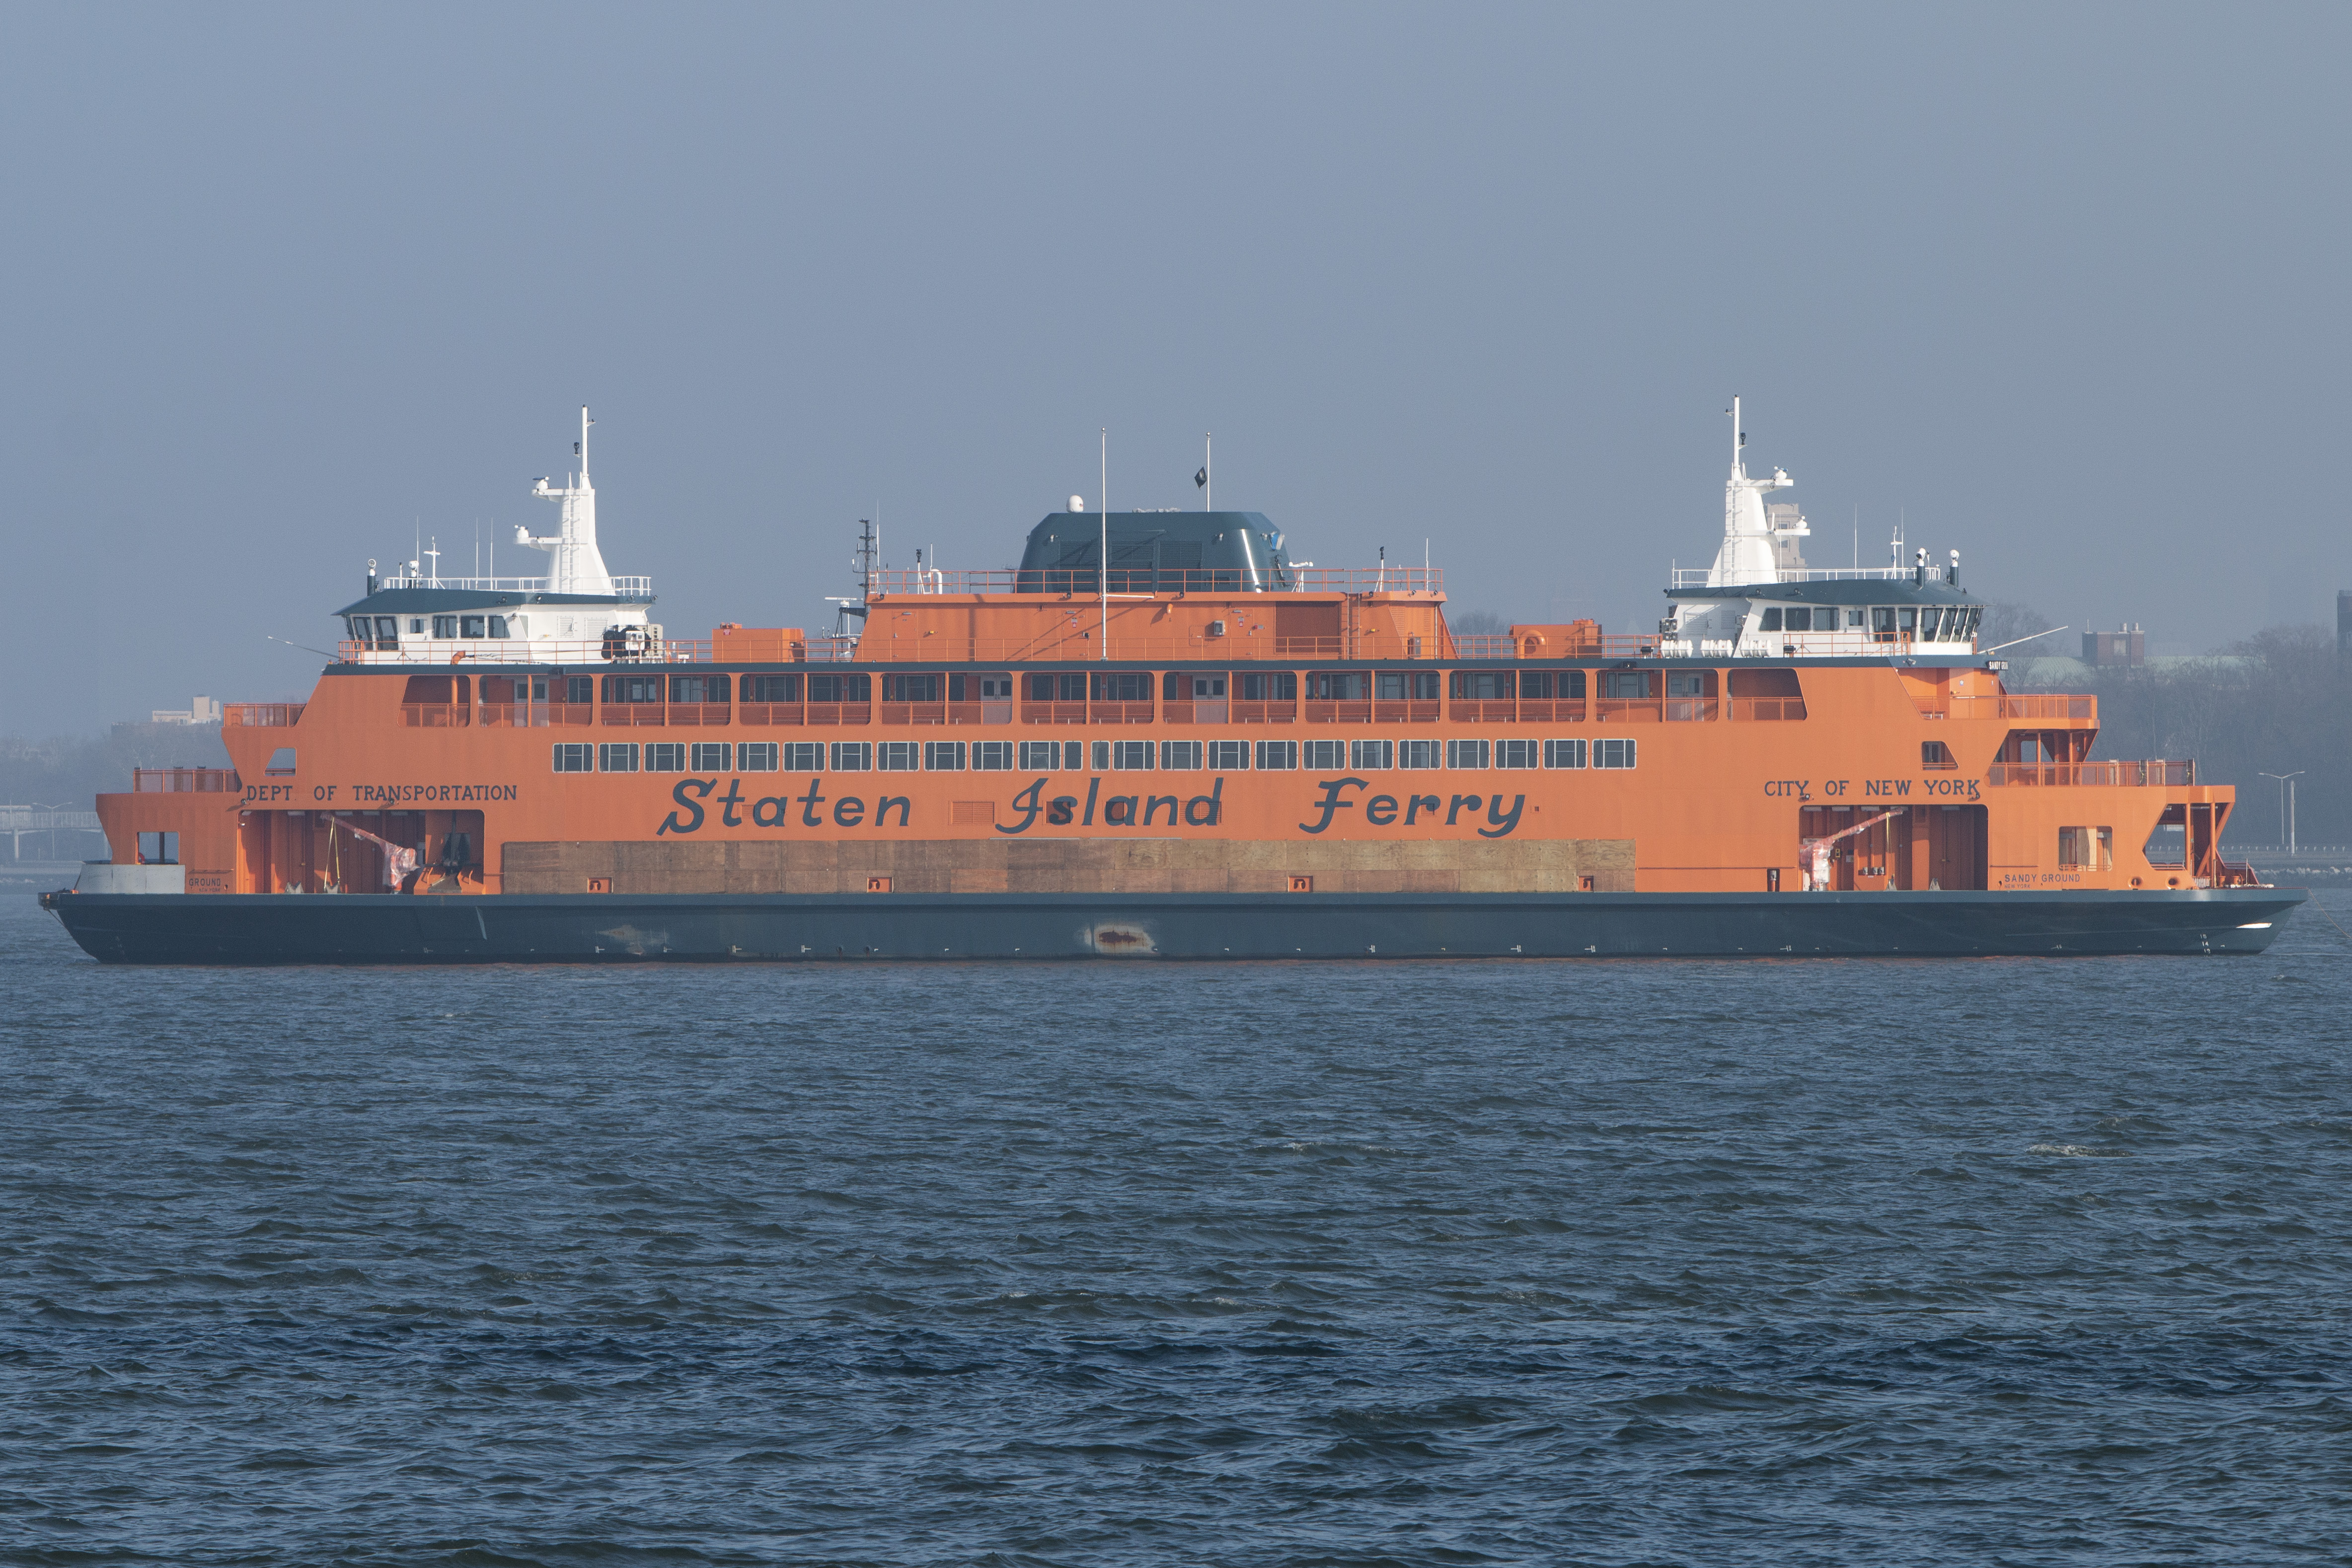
1130,755
579,690
666,757
1229,756
894,757
617,756
574,757
1040,755
1466,754
1179,756
1563,754
759,755
803,756
1322,755
1613,754
1418,754
1935,754
1368,756
1515,753
1685,685
1277,756
992,756
1101,759
710,756
1208,688
473,626
1628,685
853,756
943,757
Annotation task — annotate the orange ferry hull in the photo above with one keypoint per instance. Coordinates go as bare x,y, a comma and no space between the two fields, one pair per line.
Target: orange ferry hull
197,928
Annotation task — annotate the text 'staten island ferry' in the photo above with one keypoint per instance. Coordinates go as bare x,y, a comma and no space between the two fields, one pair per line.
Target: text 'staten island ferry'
1160,737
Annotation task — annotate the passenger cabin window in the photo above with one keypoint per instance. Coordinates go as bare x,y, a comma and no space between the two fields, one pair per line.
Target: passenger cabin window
1229,756
710,755
841,688
1485,685
1324,755
992,756
772,688
1041,755
1064,688
666,757
1277,755
2087,849
579,690
1405,685
574,757
698,688
633,688
1627,686
1935,754
802,757
1122,686
1179,756
910,688
1339,686
1372,756
438,689
1270,686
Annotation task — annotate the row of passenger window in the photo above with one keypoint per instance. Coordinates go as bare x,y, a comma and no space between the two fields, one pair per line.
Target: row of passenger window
1118,685
1083,756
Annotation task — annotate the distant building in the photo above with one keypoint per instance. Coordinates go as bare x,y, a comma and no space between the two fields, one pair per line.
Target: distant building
204,710
2125,645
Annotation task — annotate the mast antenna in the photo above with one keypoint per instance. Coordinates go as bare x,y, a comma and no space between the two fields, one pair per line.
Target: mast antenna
1103,576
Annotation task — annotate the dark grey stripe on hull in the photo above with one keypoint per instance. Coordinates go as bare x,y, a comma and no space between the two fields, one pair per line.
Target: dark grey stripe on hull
383,929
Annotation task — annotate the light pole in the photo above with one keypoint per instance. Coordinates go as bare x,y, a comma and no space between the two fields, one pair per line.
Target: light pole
2286,801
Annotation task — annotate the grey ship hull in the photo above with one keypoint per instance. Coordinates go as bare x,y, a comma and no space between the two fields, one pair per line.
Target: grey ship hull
279,928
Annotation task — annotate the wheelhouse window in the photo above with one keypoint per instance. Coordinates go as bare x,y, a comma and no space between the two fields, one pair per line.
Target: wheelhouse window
1179,756
1277,756
666,757
473,625
841,688
1229,756
1405,685
852,756
1270,686
992,756
387,628
1372,756
1613,754
498,627
1770,621
1321,755
1466,754
616,756
574,757
444,626
943,757
698,688
1563,754
894,757
759,756
802,757
772,688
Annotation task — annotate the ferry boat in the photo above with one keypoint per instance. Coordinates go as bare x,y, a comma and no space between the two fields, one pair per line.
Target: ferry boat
1160,736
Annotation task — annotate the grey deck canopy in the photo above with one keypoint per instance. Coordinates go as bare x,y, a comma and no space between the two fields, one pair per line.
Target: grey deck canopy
1155,552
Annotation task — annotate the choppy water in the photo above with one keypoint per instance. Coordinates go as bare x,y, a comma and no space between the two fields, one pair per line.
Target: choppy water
1650,1262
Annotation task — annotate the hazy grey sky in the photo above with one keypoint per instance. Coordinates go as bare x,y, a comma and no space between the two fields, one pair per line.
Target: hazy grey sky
2068,284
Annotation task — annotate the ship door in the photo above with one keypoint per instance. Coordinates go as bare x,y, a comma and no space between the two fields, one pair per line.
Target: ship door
1956,847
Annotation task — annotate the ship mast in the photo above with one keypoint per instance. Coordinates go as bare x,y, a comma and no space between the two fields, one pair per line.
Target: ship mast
576,564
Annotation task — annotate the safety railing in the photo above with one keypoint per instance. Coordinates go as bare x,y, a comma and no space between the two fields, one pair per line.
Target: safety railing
1142,578
261,715
1627,710
435,715
1768,710
2062,709
2149,775
185,781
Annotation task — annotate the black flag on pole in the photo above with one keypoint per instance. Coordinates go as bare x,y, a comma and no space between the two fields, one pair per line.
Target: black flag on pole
1201,480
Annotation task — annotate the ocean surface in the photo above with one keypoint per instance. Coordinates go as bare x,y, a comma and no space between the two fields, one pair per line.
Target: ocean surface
1883,1262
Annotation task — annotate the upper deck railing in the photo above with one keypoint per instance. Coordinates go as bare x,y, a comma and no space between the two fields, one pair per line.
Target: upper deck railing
1696,576
2155,774
184,780
1086,581
623,587
1063,643
261,715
